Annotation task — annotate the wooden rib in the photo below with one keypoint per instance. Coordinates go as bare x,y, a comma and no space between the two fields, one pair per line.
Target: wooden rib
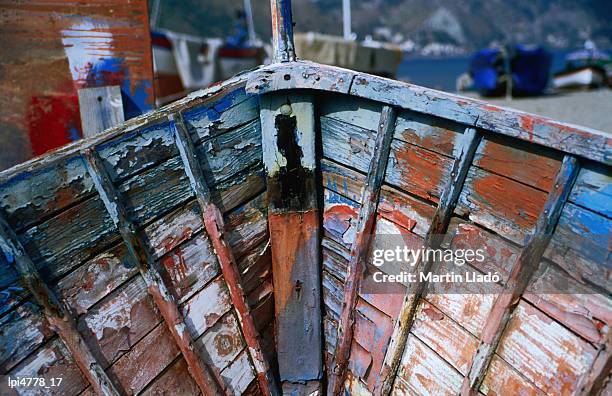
433,239
527,265
142,257
58,315
215,227
359,250
593,380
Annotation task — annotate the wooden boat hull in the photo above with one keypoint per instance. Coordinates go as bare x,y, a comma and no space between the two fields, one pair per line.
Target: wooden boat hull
377,157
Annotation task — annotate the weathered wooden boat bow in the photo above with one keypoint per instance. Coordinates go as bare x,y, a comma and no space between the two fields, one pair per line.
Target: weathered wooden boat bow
220,245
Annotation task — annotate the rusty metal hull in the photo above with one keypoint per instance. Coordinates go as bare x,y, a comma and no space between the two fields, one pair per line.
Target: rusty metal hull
223,244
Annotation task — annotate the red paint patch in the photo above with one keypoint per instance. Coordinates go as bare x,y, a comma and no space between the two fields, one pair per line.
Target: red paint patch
53,121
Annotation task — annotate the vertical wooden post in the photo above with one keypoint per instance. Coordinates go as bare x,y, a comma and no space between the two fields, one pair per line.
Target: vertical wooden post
58,315
143,259
433,239
288,128
101,108
527,265
213,222
359,250
282,31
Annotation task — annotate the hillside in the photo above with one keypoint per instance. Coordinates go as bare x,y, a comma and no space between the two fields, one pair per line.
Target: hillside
466,24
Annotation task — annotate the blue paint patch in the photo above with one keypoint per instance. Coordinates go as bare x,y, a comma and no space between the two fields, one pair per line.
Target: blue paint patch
335,198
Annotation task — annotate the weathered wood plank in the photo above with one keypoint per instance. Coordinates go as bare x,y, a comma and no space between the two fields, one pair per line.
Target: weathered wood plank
147,359
222,343
419,366
175,380
408,212
239,374
23,331
593,381
593,189
444,336
246,226
141,257
342,180
56,313
55,361
340,216
347,144
545,352
579,141
101,108
117,323
485,200
361,245
433,239
502,379
518,161
526,266
206,307
288,130
215,228
359,112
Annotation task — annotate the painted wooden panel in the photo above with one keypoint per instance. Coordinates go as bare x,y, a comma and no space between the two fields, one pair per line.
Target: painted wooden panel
502,379
449,340
55,49
146,360
23,330
333,263
342,180
435,134
423,372
247,226
189,267
117,323
593,189
96,278
206,307
222,343
372,331
520,162
173,381
256,267
358,112
339,218
52,361
332,294
545,352
406,211
580,245
238,375
577,306
418,171
347,144
485,199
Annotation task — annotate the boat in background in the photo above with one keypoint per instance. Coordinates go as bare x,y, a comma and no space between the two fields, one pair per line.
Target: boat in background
587,68
528,66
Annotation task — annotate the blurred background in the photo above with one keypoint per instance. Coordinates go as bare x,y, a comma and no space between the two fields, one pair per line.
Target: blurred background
62,60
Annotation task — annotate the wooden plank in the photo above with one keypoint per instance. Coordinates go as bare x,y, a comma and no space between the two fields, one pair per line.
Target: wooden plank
423,372
340,216
342,180
215,228
439,224
288,128
526,266
59,316
580,245
206,307
545,352
23,330
101,108
55,361
247,227
444,336
143,259
239,374
408,212
361,244
347,144
593,189
502,379
147,359
222,343
518,161
282,31
583,142
593,381
175,380
117,323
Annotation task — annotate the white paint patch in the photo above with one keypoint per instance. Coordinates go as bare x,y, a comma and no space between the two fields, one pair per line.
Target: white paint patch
85,44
